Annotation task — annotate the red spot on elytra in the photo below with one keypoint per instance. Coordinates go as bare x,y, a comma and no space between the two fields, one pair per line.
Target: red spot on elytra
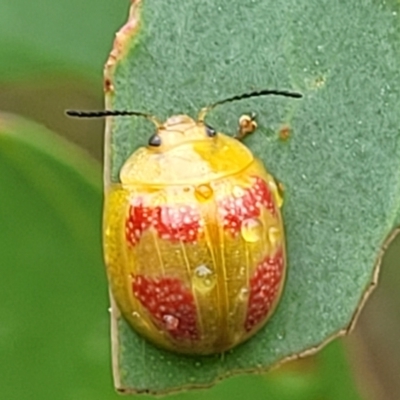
175,223
236,209
178,223
170,304
139,218
264,287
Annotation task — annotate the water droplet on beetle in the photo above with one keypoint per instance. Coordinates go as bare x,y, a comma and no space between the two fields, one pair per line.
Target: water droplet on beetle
203,192
251,230
243,294
171,322
274,235
204,278
237,191
202,270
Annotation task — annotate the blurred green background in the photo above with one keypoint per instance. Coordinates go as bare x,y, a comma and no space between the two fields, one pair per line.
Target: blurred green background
54,323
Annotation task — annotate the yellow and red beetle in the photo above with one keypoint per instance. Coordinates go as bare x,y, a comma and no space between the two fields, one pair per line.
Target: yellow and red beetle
193,236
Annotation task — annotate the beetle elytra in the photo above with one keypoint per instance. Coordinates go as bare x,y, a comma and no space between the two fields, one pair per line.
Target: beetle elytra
193,235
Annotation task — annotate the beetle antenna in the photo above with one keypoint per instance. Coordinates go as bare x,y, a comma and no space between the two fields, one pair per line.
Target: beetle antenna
264,92
111,113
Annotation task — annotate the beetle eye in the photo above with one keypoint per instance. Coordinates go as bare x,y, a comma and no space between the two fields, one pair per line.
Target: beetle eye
155,140
211,132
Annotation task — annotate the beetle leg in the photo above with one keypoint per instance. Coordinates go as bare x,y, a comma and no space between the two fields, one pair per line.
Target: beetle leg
247,125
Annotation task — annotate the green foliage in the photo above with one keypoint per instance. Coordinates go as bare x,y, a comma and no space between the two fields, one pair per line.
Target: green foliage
43,37
53,334
340,166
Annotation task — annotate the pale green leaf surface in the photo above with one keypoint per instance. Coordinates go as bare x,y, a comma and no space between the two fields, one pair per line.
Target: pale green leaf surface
340,166
310,379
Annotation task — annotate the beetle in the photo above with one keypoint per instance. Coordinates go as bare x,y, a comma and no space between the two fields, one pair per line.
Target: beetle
194,240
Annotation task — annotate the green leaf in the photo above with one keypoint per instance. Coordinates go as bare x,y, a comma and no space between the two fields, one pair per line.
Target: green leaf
46,36
310,379
53,296
340,166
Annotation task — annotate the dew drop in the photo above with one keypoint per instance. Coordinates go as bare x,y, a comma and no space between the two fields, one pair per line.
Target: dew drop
274,235
243,294
251,230
203,192
204,278
280,335
237,191
277,191
202,270
171,322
